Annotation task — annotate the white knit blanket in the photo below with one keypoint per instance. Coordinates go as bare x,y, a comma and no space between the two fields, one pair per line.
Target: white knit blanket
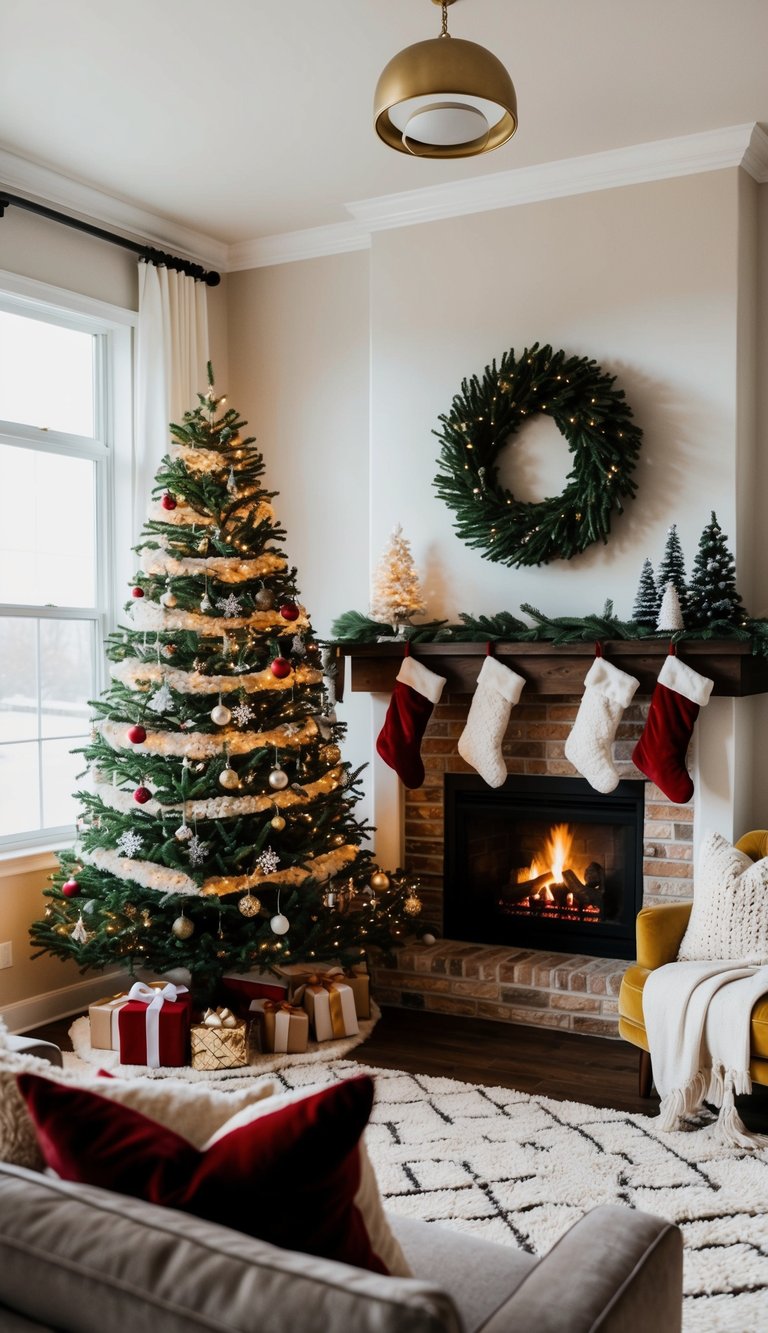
697,1017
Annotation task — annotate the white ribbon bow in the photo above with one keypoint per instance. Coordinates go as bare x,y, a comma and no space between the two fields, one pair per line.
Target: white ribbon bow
154,997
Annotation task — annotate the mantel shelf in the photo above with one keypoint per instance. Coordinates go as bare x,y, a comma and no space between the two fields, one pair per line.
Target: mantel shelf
551,669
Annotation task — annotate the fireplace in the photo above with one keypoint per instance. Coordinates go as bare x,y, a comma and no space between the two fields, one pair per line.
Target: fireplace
544,863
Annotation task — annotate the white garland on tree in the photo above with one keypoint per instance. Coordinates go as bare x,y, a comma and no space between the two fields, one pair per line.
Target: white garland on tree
205,745
142,675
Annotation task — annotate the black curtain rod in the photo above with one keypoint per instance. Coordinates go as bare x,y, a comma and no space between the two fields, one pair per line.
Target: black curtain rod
147,252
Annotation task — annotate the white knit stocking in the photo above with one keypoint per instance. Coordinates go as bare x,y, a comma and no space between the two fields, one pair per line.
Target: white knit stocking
607,693
498,688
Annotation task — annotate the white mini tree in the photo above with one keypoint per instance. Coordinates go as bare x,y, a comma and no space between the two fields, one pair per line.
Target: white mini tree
397,593
670,615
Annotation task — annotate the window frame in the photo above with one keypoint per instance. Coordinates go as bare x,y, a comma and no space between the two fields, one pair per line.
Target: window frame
111,451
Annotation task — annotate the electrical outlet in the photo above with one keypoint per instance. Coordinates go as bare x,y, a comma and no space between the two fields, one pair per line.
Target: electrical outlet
6,954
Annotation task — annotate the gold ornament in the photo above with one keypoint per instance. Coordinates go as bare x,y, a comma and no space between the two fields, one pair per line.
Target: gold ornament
412,904
183,928
249,906
380,881
229,779
330,754
277,822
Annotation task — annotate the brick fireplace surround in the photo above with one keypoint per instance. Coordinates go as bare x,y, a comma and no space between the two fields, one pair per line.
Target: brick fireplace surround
554,990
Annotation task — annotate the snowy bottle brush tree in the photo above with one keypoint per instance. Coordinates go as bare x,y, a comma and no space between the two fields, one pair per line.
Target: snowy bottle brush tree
397,592
218,831
712,594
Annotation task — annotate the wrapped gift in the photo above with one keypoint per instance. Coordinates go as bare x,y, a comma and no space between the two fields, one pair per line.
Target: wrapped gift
103,1016
220,1041
330,1005
282,1026
356,977
238,989
154,1026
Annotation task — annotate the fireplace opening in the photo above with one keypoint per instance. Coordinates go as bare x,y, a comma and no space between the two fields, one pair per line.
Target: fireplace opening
543,862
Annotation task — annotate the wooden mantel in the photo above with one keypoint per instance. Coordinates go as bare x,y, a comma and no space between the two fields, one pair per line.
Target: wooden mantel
551,669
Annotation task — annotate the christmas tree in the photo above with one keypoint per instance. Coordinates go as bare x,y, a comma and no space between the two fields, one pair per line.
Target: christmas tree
712,591
670,616
672,567
397,592
647,600
218,831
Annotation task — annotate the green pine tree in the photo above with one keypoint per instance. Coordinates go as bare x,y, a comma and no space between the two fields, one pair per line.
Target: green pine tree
647,601
218,832
672,568
712,591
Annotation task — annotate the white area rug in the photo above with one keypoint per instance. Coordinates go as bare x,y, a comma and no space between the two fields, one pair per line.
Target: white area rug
519,1170
317,1052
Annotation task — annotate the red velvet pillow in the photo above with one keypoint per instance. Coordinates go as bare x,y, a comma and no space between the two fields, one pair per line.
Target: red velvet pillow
289,1177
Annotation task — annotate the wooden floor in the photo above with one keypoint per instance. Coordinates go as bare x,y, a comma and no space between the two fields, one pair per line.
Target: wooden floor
555,1064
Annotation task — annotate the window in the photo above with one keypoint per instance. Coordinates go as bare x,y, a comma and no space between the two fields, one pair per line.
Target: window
64,373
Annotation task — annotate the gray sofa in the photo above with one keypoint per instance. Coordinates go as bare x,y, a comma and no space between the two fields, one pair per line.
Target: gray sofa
84,1260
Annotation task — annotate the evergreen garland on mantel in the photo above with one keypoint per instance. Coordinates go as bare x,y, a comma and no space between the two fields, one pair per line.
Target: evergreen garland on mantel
354,627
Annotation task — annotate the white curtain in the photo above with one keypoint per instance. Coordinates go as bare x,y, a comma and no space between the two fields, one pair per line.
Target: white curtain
172,351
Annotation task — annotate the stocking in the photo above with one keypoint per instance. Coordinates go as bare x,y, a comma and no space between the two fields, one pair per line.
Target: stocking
607,693
677,696
498,688
417,690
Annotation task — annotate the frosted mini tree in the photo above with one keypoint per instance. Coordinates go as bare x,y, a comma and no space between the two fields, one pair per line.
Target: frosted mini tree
218,830
397,592
712,591
670,616
672,568
647,599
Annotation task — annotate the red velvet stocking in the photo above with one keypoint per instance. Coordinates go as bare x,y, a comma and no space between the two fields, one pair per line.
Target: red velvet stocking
417,690
660,753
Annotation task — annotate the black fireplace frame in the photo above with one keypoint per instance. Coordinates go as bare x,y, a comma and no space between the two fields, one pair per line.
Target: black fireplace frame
542,796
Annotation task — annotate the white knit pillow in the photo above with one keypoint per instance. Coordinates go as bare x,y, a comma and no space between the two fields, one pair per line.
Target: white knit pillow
729,920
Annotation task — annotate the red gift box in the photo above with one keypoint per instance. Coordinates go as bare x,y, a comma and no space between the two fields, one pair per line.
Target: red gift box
154,1027
238,989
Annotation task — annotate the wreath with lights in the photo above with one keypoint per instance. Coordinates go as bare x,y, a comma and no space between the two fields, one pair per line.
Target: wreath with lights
596,421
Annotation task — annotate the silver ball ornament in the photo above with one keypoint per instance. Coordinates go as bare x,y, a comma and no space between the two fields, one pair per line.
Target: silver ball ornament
168,599
206,604
229,779
183,833
91,907
278,779
280,924
221,715
183,928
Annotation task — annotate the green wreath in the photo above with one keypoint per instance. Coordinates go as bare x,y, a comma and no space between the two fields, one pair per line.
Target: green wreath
595,420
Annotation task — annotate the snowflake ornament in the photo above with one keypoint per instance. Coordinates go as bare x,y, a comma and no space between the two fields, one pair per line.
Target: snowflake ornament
242,713
129,843
268,861
197,850
162,700
230,606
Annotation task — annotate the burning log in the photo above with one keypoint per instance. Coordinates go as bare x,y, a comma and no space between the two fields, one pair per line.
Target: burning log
585,895
514,893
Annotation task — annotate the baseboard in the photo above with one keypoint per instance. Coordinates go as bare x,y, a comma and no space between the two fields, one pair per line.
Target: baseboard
54,1004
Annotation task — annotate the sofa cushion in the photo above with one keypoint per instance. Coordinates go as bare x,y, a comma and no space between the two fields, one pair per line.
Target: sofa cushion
289,1177
478,1275
82,1260
729,919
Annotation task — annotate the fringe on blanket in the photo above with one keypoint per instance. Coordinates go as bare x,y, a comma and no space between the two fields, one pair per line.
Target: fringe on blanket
719,1087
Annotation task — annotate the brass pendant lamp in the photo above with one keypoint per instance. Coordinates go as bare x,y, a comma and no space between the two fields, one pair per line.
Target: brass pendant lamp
445,97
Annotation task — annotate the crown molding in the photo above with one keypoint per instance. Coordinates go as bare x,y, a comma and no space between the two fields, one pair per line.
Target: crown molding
47,186
287,247
686,155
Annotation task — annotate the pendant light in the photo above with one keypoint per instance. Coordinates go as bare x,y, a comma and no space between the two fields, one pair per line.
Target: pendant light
445,97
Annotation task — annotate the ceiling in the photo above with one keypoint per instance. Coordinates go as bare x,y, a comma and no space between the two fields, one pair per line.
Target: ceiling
250,118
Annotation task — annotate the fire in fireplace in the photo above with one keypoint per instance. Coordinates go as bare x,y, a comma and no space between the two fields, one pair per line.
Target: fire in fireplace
545,862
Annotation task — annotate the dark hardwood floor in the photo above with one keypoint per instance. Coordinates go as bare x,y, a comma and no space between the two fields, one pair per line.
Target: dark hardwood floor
555,1064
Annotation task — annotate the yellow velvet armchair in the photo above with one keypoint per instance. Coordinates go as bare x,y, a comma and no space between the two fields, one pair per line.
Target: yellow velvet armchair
659,933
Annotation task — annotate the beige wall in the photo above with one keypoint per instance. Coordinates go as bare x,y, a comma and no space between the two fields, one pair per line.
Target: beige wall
22,902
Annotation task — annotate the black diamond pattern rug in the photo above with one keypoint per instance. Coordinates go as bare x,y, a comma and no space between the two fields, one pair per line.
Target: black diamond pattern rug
519,1170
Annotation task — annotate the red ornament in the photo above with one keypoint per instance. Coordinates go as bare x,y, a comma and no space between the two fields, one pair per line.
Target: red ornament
289,611
71,888
137,591
168,501
281,667
137,734
142,795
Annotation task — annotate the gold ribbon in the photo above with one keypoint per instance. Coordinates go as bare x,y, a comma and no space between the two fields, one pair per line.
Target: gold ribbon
272,1006
316,985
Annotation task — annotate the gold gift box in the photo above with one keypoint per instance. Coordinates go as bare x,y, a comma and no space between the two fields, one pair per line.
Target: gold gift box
283,1028
220,1047
356,977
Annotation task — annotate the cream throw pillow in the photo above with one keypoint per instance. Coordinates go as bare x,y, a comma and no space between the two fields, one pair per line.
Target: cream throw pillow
729,919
